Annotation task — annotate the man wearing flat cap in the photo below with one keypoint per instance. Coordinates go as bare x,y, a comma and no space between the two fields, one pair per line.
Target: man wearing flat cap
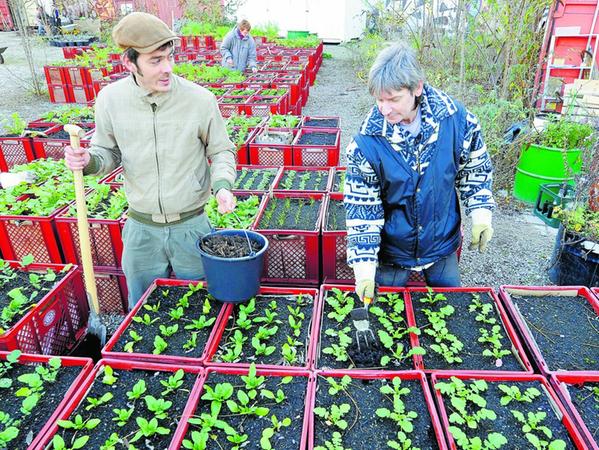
164,130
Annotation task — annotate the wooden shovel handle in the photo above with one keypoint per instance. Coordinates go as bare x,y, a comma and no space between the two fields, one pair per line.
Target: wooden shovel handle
75,134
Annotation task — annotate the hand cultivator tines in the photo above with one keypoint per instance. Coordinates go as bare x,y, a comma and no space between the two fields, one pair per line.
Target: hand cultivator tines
365,339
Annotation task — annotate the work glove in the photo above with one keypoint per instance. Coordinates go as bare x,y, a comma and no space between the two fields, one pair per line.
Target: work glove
226,201
364,273
482,231
8,179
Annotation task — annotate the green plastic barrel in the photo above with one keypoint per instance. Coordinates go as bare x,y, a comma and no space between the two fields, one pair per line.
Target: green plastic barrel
291,34
541,165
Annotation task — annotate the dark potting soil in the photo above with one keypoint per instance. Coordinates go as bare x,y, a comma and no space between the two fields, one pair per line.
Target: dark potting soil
287,438
225,246
317,138
307,180
168,298
51,396
365,430
505,423
63,135
321,123
566,330
290,214
255,179
338,181
27,289
368,357
464,326
126,379
587,404
336,216
284,334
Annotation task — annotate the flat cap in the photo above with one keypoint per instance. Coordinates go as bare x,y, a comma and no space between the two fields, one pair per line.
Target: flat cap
142,32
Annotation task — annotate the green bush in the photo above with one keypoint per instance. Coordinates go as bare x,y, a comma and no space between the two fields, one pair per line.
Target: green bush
565,134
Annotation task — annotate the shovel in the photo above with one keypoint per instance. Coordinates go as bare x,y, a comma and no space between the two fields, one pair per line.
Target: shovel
95,327
365,338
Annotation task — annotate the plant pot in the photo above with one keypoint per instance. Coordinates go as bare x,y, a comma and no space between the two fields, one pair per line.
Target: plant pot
550,196
575,262
539,165
246,271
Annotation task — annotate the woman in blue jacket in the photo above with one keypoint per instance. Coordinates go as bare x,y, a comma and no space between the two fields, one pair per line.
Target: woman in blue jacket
238,48
417,154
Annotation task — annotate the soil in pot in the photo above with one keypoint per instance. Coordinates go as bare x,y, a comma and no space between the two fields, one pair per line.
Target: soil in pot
338,348
255,179
290,214
20,291
317,138
269,329
182,317
455,344
306,180
321,123
477,395
361,426
135,391
585,398
248,406
50,395
336,216
566,330
229,246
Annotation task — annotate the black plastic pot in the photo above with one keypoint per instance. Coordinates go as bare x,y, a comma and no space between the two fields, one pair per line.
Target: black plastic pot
572,264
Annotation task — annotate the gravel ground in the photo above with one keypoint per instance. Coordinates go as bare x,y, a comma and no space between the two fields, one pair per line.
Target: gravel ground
519,252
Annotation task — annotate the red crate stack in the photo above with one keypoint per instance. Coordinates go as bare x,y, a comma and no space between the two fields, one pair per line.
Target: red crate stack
16,150
57,322
334,248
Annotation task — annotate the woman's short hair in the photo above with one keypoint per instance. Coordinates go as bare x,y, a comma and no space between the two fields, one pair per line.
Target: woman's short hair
244,25
396,67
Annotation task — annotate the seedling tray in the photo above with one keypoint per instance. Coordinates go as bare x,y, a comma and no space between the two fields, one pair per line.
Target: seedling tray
255,179
367,427
293,179
294,407
292,256
58,320
570,325
284,298
557,417
121,336
134,370
39,427
466,325
575,391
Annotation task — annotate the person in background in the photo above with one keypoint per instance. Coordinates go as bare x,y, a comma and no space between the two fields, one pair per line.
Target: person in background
9,179
41,19
417,154
171,140
238,48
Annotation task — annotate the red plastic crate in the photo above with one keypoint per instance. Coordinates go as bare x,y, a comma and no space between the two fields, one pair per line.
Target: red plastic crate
520,323
242,191
373,375
334,249
292,257
271,154
58,320
554,400
559,383
111,287
257,106
55,75
299,169
231,109
305,119
77,75
15,151
195,399
54,148
114,177
60,93
82,94
508,329
596,292
316,155
85,364
24,235
219,331
162,359
104,234
81,392
242,149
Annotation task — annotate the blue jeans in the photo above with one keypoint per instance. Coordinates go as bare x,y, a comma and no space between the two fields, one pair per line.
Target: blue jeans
443,273
151,252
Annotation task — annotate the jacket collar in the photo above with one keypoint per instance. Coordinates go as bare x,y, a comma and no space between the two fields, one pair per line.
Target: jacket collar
435,106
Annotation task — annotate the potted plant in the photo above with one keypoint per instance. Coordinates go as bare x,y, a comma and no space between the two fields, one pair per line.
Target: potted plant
552,155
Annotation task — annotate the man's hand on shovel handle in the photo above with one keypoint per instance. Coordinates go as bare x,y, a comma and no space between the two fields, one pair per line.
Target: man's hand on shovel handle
76,158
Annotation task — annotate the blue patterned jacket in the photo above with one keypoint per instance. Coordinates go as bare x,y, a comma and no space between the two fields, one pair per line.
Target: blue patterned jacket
394,194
